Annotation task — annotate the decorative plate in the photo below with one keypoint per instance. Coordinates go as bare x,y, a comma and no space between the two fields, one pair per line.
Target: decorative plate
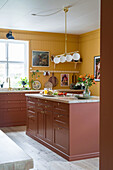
36,85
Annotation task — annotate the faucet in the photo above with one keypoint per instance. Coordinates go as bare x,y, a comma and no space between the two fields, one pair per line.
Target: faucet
8,78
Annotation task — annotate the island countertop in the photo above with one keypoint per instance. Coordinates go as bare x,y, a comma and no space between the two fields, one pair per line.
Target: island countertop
69,100
5,90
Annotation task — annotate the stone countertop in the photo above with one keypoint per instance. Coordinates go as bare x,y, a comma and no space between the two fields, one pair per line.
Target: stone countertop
19,91
68,100
12,156
38,91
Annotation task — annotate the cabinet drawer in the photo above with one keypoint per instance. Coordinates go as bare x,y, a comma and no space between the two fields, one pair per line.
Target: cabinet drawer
12,96
61,111
30,112
32,108
60,117
12,104
62,106
63,124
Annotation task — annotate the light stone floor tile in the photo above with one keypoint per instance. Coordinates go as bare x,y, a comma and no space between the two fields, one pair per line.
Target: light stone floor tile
44,158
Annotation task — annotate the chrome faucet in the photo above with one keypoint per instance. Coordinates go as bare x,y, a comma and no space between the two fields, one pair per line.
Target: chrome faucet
8,78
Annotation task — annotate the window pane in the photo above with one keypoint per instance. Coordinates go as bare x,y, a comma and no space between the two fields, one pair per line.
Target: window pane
3,68
16,52
16,71
2,51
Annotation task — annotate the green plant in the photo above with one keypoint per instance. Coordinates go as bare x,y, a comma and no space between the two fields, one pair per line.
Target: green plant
24,81
34,74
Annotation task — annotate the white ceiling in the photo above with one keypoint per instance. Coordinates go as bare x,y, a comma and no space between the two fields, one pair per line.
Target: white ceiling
83,17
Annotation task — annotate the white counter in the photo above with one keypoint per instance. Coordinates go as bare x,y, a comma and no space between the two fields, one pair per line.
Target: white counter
66,99
12,156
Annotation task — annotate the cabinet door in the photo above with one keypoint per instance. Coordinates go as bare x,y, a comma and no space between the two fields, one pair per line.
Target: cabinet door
31,124
60,139
40,123
48,126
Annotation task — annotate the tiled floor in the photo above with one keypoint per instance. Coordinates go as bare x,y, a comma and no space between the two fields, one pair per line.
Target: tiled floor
45,159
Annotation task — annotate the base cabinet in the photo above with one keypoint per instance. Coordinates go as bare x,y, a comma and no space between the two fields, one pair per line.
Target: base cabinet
60,139
13,109
71,130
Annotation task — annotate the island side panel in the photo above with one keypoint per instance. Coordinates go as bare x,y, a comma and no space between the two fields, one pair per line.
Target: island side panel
84,130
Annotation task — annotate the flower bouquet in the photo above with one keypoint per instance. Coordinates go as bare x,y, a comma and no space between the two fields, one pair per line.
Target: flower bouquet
86,80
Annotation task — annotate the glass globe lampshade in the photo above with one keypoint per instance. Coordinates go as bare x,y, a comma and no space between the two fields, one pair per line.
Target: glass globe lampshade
76,56
69,58
56,60
62,59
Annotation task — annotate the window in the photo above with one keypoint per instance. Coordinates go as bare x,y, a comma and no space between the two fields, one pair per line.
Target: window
13,61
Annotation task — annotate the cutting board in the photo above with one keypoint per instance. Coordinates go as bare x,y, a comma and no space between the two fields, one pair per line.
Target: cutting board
53,80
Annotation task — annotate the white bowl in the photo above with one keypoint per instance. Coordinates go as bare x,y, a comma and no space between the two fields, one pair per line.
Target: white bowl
69,58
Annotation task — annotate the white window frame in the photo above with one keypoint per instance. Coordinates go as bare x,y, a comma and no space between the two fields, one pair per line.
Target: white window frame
26,55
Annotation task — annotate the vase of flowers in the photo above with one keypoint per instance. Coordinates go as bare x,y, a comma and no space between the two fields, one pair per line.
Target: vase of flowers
87,80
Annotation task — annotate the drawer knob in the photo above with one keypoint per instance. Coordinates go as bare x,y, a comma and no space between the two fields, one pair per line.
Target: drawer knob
42,112
58,104
59,128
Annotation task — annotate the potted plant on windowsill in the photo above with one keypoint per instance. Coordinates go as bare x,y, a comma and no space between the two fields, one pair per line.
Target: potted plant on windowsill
24,82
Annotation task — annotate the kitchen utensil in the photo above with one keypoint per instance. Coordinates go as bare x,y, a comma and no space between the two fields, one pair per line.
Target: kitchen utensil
48,85
46,73
53,80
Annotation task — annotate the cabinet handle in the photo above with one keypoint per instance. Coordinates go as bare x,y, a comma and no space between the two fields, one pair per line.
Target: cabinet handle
39,104
58,104
46,106
42,112
59,128
45,101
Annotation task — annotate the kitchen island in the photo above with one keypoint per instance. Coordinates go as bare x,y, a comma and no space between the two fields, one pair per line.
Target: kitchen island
13,105
66,125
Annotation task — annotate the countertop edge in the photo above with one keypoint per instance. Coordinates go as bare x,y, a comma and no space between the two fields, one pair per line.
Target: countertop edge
94,99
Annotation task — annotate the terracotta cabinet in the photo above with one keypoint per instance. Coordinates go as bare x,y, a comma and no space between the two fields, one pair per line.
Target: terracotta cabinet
71,130
13,109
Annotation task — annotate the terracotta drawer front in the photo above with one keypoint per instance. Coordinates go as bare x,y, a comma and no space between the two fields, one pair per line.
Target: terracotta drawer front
62,106
48,107
40,105
30,112
31,99
61,123
12,104
31,108
12,96
60,111
30,104
61,117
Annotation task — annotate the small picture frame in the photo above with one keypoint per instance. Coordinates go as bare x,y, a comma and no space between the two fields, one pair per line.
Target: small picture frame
97,68
40,58
65,80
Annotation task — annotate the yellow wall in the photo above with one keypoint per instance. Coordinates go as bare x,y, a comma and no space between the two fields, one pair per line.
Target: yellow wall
52,42
89,46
